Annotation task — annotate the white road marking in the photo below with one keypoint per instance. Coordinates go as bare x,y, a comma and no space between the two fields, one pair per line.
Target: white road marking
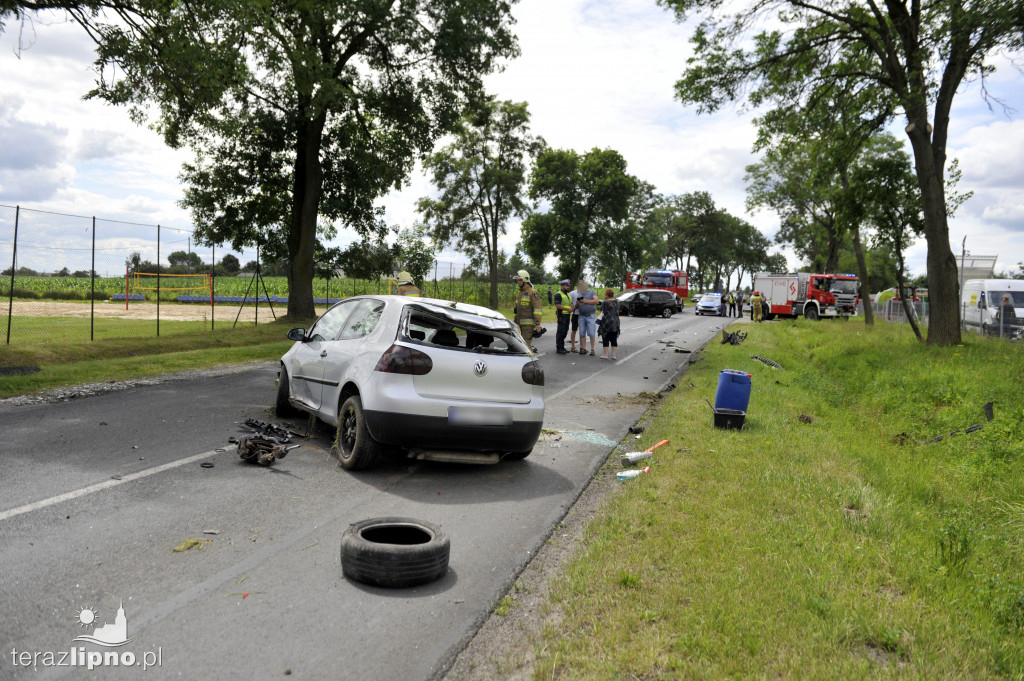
106,484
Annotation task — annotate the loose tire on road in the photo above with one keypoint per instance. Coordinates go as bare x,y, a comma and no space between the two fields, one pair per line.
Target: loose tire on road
282,407
394,552
356,448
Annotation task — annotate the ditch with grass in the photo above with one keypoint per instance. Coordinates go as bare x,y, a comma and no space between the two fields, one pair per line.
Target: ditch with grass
829,539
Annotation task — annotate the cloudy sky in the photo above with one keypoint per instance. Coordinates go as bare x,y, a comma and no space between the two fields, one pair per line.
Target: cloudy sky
596,73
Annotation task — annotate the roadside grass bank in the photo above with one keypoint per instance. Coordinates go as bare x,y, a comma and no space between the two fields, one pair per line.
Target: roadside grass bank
65,363
828,538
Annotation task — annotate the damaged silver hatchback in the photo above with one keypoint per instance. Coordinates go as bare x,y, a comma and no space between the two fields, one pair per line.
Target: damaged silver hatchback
441,380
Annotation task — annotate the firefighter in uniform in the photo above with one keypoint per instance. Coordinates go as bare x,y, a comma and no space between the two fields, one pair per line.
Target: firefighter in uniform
527,309
755,307
405,285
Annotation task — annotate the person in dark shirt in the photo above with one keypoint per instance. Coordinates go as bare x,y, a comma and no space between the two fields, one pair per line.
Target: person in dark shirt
609,324
1007,317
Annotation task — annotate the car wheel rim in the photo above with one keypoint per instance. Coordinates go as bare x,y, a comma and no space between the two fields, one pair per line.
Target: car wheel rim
348,431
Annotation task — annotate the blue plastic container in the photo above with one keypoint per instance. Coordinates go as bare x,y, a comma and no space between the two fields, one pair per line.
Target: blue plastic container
733,390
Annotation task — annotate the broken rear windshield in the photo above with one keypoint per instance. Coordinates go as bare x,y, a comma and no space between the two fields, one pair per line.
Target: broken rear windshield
421,326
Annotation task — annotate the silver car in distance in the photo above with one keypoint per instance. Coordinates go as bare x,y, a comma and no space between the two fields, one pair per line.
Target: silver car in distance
444,381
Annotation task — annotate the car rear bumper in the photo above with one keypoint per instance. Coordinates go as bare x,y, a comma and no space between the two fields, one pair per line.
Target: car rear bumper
435,432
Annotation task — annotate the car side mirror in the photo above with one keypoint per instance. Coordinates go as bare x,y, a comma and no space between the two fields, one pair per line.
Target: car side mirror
297,335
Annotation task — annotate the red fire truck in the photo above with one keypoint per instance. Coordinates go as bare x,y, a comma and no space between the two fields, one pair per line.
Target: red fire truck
676,281
811,295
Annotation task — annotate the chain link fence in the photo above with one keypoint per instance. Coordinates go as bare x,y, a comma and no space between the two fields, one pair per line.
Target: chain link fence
66,277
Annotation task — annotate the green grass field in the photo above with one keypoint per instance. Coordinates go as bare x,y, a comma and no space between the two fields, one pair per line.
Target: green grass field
77,288
64,363
846,547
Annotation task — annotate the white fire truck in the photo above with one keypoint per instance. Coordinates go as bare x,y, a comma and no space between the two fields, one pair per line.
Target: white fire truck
811,295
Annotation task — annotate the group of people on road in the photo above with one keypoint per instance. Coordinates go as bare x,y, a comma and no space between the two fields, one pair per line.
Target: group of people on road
575,312
735,302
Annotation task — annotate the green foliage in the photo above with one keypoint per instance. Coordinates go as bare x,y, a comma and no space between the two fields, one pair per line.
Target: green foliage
300,114
585,194
414,253
480,178
845,547
858,66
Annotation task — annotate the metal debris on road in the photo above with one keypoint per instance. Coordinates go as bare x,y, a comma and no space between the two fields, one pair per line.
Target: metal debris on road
261,450
270,431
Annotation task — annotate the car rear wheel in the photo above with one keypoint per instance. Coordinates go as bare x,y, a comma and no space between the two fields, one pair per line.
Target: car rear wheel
666,313
357,450
282,407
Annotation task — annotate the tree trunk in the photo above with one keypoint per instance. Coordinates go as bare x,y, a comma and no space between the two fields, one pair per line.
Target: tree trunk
862,263
307,188
834,242
943,284
492,263
901,286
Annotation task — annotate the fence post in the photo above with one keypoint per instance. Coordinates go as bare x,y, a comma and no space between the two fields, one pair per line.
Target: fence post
92,291
213,279
158,281
14,260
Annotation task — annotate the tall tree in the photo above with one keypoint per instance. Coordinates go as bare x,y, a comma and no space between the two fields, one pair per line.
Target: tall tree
301,112
914,55
686,220
885,189
790,181
585,193
634,244
481,179
414,253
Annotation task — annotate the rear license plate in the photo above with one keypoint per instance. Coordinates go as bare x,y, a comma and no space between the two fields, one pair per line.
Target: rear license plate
476,416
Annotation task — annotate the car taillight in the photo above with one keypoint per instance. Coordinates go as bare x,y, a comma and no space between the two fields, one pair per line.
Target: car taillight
533,373
399,359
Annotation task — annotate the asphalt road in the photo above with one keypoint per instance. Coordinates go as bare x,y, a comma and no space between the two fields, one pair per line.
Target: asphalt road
95,492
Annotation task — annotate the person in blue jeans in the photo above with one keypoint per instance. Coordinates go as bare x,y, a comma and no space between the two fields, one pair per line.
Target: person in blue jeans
586,306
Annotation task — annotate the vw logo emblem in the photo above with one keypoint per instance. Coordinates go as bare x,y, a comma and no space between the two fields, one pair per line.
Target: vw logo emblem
480,367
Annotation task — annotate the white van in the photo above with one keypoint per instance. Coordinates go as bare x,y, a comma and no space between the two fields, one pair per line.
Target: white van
980,303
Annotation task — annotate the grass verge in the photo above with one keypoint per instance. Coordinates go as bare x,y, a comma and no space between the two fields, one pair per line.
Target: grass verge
825,540
68,363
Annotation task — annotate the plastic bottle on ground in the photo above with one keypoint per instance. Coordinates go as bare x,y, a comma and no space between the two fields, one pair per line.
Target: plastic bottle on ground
632,457
628,475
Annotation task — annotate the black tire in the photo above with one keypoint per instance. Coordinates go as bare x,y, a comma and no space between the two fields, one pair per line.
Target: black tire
282,407
517,456
770,316
985,331
625,311
357,450
811,313
666,313
394,552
